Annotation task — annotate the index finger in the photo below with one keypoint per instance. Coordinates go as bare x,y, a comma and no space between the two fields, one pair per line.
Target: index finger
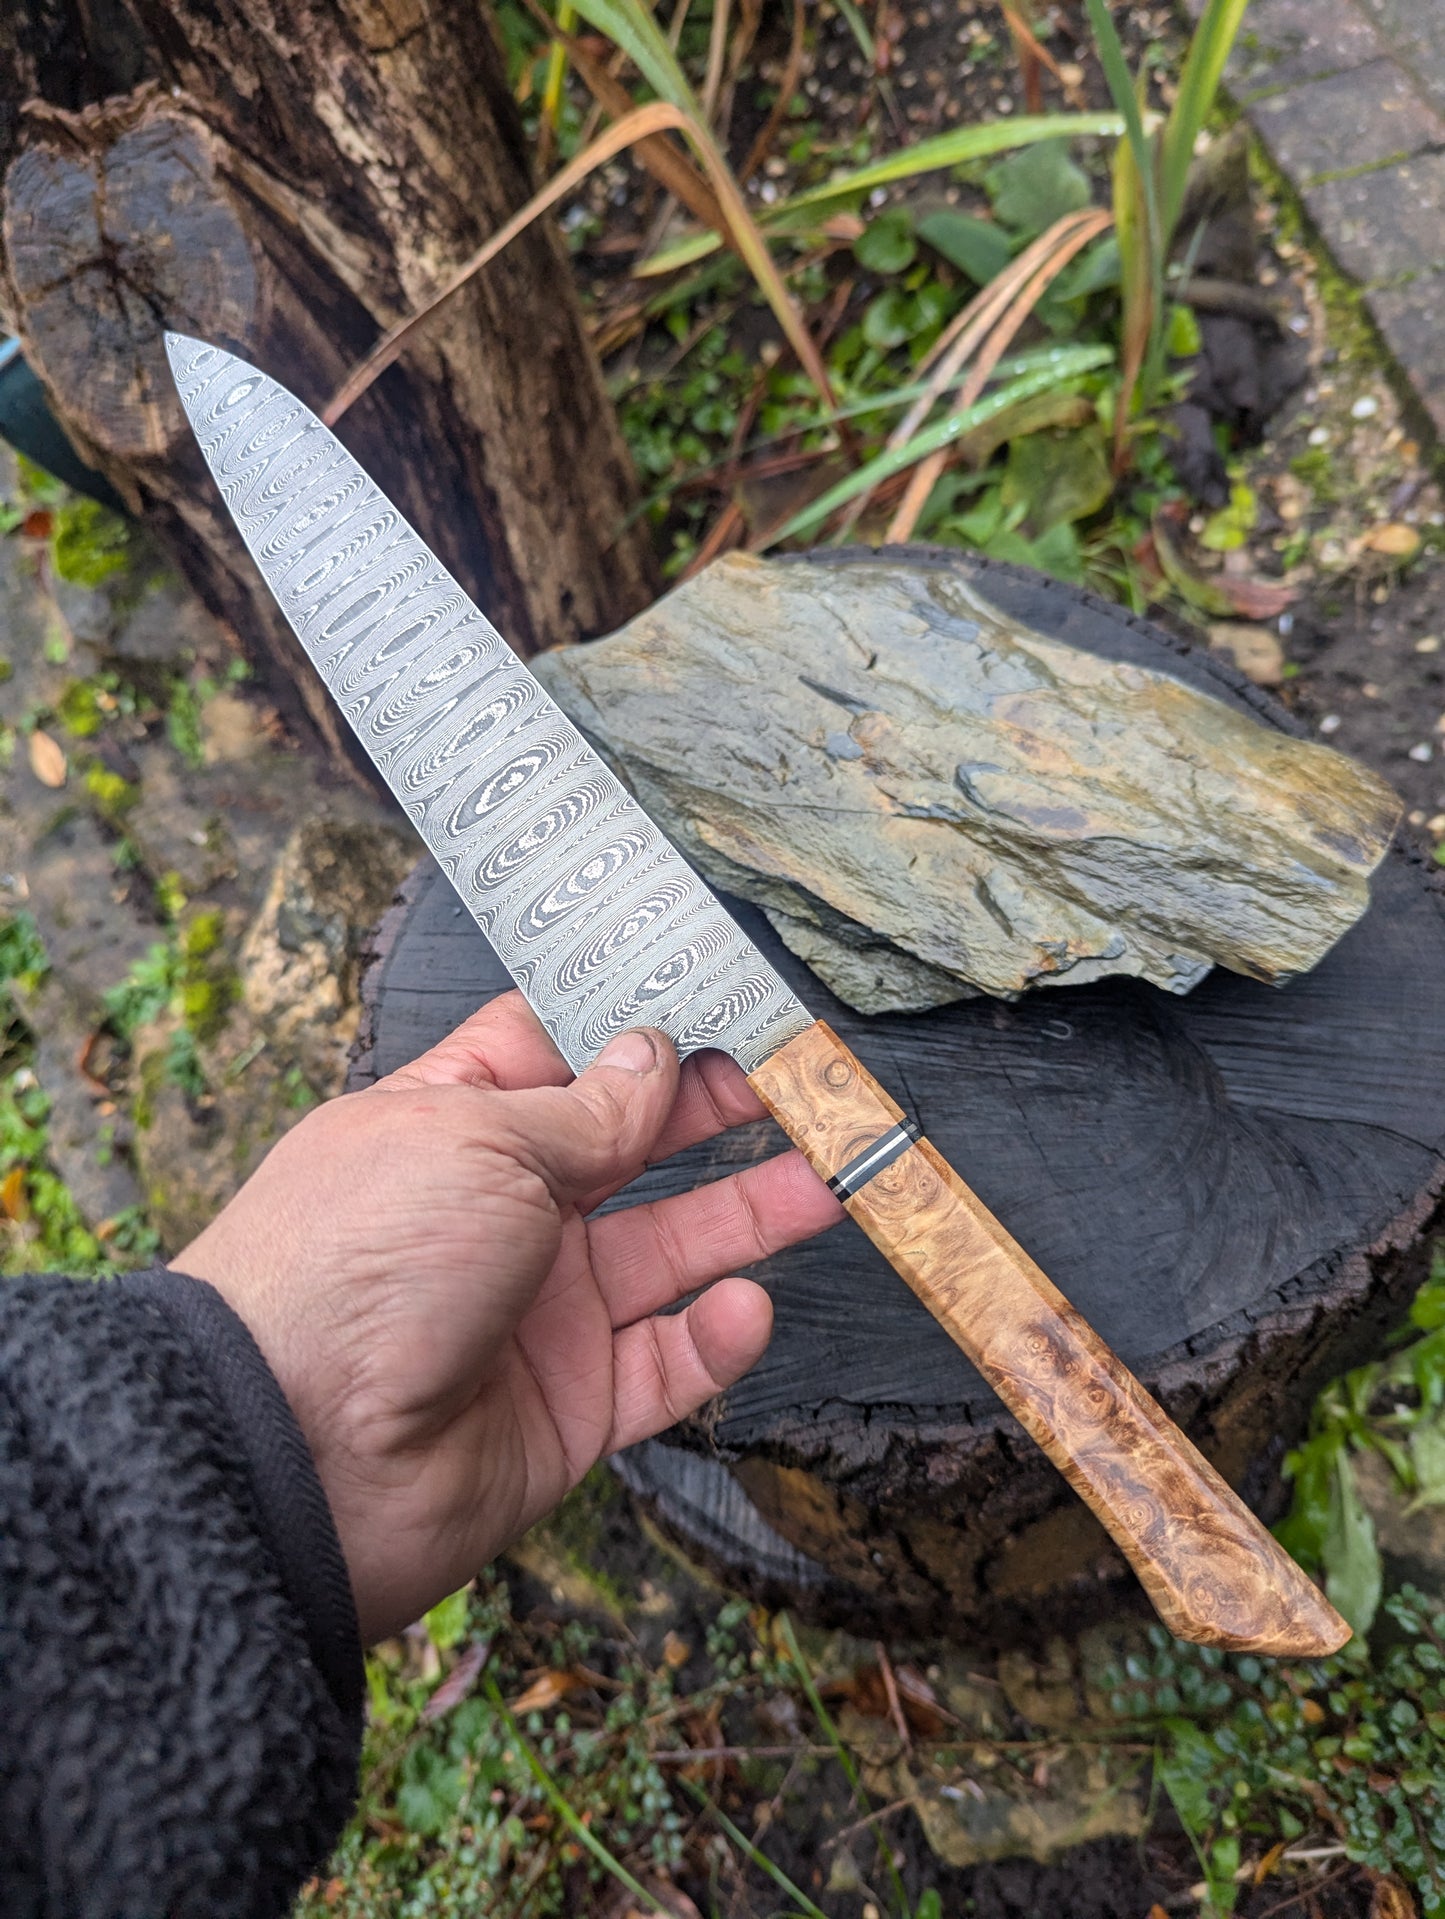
503,1045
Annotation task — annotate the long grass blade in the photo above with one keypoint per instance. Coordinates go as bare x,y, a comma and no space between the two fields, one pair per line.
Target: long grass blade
557,1800
951,150
928,156
631,27
668,165
845,1758
925,476
643,122
717,46
759,1858
1066,363
1209,50
1138,288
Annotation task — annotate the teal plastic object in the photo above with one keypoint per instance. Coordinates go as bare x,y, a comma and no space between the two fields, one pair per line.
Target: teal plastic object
32,429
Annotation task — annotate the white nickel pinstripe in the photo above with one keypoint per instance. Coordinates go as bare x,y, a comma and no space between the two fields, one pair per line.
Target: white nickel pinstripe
599,920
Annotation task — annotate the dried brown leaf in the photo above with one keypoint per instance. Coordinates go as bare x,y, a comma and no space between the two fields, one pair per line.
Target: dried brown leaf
459,1681
13,1201
1270,1860
546,1690
867,1691
1394,539
47,759
1390,1898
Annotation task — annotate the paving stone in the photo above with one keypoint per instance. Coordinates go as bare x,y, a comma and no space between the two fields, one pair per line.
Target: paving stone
1359,119
1284,42
1411,318
1415,30
1385,224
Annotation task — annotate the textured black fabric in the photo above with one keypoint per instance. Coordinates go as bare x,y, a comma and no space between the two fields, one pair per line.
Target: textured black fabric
169,1747
295,1518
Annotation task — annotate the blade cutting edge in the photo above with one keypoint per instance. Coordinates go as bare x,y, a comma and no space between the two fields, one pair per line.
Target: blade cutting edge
595,915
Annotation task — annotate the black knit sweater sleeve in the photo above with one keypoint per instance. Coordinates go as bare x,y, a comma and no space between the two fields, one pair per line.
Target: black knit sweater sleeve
180,1678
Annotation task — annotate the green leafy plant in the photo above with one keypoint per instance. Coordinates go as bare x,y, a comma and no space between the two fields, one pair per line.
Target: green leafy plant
1395,1408
89,544
1151,170
1255,1753
187,974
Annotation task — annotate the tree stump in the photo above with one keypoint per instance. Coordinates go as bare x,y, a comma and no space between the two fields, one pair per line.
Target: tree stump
1232,1186
288,182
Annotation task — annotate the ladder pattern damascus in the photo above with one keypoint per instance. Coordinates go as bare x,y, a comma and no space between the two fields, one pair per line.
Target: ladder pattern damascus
596,916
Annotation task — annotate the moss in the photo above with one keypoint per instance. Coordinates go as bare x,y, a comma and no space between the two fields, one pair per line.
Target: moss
79,711
113,795
90,543
170,896
204,933
205,1001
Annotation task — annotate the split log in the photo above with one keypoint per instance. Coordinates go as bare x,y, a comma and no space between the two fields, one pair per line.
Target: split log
289,181
1232,1186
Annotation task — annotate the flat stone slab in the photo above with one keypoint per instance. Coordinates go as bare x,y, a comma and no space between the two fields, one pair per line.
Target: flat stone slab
1387,224
1283,42
1349,98
1416,31
1409,319
1367,117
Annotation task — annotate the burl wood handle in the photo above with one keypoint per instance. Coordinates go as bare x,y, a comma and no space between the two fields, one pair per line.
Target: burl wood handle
1212,1570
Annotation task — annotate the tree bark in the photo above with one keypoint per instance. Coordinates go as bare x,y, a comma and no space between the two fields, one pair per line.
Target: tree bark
288,179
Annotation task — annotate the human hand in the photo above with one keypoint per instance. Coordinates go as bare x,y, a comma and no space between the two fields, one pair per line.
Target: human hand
459,1341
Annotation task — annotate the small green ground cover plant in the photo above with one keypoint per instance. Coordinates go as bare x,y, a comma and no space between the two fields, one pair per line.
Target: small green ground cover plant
41,1227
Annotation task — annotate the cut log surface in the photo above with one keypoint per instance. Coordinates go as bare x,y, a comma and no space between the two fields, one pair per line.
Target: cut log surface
1232,1187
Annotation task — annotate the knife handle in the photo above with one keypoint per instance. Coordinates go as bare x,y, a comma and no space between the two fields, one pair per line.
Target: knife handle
1214,1573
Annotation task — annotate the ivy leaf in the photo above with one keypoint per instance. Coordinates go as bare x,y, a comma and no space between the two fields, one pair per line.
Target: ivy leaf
886,245
1058,476
1231,526
1351,1555
889,319
1036,186
976,247
430,1791
1427,1456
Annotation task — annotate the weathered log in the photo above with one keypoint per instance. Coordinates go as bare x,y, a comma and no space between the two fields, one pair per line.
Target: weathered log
288,181
1231,1186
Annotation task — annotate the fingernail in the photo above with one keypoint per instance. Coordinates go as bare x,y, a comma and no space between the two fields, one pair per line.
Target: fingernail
632,1052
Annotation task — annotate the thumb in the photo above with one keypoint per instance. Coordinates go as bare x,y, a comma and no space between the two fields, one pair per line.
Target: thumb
597,1132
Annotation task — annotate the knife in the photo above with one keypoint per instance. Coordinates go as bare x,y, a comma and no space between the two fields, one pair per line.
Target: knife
603,926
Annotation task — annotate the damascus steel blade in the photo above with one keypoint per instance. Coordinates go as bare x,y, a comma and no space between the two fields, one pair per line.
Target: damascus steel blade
595,915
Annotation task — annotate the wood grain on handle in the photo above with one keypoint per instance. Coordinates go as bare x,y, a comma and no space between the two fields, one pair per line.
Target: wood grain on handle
1214,1573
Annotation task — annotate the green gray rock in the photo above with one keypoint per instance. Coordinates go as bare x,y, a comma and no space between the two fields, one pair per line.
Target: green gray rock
928,799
